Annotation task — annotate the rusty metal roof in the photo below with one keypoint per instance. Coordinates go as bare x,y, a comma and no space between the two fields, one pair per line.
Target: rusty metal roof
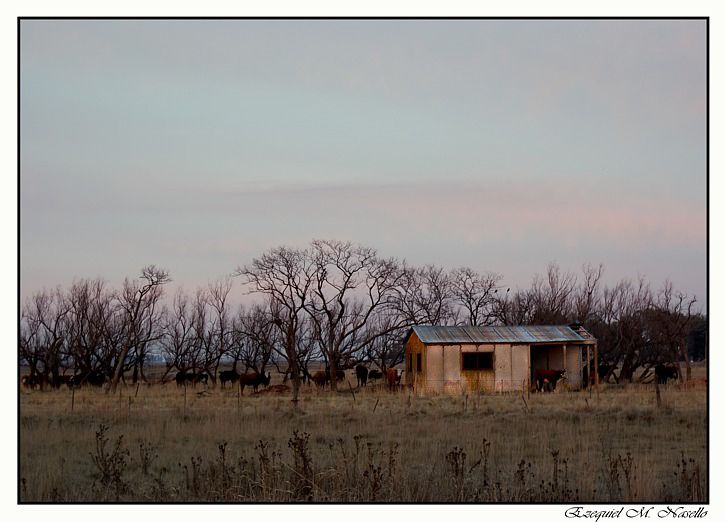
496,334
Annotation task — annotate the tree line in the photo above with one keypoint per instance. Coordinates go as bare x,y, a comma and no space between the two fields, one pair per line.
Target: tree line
341,303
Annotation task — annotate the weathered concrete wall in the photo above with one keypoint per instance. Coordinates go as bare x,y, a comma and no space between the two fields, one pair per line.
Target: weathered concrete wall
520,366
502,367
574,366
434,376
452,369
554,357
413,347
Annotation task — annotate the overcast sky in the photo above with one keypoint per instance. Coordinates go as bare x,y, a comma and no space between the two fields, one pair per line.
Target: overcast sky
501,145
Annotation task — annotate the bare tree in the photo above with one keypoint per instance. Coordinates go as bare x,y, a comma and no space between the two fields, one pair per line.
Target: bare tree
349,283
587,296
514,308
671,314
475,293
424,296
139,300
41,334
257,335
385,334
221,323
204,332
177,341
279,274
92,330
621,327
551,296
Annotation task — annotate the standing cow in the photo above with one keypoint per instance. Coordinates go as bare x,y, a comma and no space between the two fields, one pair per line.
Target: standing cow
94,378
320,378
253,379
663,373
374,375
183,377
361,373
393,377
228,376
546,380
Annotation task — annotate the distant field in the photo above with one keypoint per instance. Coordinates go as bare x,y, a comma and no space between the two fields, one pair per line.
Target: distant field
615,445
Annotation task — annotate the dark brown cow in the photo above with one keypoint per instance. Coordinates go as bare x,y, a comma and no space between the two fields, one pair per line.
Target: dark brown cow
663,373
361,373
320,378
375,375
228,376
393,377
253,379
546,380
94,378
30,381
35,380
181,378
60,381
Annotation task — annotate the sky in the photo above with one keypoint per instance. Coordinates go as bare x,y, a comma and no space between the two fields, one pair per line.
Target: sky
499,145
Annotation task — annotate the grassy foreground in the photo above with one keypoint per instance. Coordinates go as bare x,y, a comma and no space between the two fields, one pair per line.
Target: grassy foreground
152,443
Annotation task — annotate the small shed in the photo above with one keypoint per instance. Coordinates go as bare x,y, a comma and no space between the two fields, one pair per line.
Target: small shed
495,358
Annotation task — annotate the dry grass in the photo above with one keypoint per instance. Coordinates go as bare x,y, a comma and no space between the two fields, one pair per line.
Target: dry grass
563,447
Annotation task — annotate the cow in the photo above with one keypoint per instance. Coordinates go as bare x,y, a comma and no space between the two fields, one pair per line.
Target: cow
253,379
320,378
393,377
60,380
94,378
35,380
228,376
374,375
663,373
339,375
181,378
546,380
30,381
361,373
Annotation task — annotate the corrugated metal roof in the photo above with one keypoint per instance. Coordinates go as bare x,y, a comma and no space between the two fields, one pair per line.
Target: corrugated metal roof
495,334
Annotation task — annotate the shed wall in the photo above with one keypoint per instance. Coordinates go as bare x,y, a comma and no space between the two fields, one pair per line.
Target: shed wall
574,366
434,376
452,368
502,367
520,366
413,347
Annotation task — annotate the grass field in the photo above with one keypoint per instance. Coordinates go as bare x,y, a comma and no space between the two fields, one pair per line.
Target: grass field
160,443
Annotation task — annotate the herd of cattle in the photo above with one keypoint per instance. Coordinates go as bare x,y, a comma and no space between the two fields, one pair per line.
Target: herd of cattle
392,377
94,378
319,378
544,380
